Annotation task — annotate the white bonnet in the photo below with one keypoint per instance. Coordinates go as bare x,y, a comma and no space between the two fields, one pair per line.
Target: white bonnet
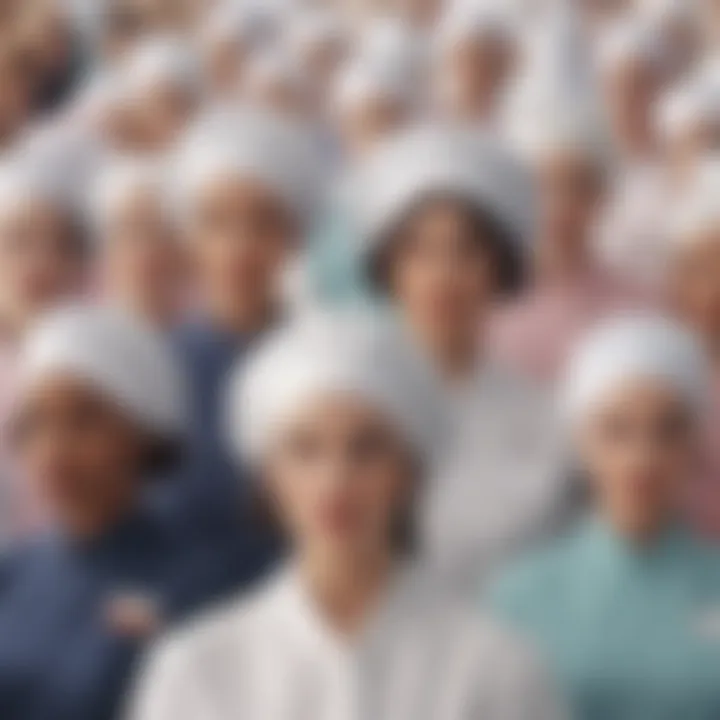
123,359
466,20
632,39
160,61
636,348
263,147
320,355
431,160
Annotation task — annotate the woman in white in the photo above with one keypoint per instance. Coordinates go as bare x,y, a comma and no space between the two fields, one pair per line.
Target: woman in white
444,217
346,630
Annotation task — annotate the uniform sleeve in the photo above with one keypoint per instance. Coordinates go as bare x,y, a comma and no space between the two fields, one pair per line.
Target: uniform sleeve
167,688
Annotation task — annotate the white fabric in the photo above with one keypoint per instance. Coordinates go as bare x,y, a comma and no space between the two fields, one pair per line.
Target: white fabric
272,656
248,24
684,109
635,349
160,62
124,360
318,356
632,40
252,146
316,28
363,82
427,161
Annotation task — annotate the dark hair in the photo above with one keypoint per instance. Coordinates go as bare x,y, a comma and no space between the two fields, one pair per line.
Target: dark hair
162,456
488,229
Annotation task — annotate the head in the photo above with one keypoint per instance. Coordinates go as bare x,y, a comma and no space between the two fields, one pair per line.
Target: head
98,410
123,23
445,264
241,236
420,14
340,479
142,260
572,190
473,73
633,75
637,422
327,414
43,260
274,83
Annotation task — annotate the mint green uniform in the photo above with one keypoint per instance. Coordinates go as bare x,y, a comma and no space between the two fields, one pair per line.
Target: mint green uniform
632,634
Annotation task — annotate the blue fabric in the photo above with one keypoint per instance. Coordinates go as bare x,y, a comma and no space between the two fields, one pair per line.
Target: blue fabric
633,634
214,498
61,657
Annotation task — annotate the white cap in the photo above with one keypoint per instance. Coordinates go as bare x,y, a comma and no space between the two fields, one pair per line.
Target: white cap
635,349
317,357
124,360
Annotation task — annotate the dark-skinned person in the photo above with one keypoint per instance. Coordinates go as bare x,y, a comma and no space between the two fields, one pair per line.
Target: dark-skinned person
100,413
349,626
444,217
624,607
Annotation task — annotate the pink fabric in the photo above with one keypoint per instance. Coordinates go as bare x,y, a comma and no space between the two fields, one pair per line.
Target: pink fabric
535,333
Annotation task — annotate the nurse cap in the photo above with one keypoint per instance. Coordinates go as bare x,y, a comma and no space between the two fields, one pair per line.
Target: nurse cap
433,161
316,356
121,358
630,349
258,146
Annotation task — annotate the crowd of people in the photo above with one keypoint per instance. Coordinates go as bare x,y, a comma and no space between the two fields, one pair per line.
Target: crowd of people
360,359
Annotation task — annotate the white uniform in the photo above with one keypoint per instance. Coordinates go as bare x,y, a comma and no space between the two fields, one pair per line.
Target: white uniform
271,657
500,481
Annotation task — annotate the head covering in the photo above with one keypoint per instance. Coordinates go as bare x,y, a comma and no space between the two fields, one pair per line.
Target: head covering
316,28
630,349
160,61
364,81
322,355
247,24
632,39
430,161
696,210
258,146
687,107
466,20
122,178
124,360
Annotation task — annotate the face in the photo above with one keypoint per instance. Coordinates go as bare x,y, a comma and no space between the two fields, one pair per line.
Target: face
127,22
695,287
340,478
368,124
640,450
571,194
279,98
241,240
160,117
143,264
20,78
42,263
473,75
631,92
224,62
419,13
442,272
79,452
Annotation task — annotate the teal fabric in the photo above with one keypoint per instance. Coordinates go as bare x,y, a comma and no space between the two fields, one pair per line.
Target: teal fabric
632,634
334,268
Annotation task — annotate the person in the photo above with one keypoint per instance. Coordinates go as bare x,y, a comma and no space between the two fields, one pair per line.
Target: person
245,195
693,267
98,415
140,259
559,128
475,58
160,85
625,606
347,627
443,216
44,261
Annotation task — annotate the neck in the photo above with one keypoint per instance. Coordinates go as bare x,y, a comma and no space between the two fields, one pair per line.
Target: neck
347,591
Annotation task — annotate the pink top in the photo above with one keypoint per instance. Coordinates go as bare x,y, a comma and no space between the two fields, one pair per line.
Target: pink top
535,333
